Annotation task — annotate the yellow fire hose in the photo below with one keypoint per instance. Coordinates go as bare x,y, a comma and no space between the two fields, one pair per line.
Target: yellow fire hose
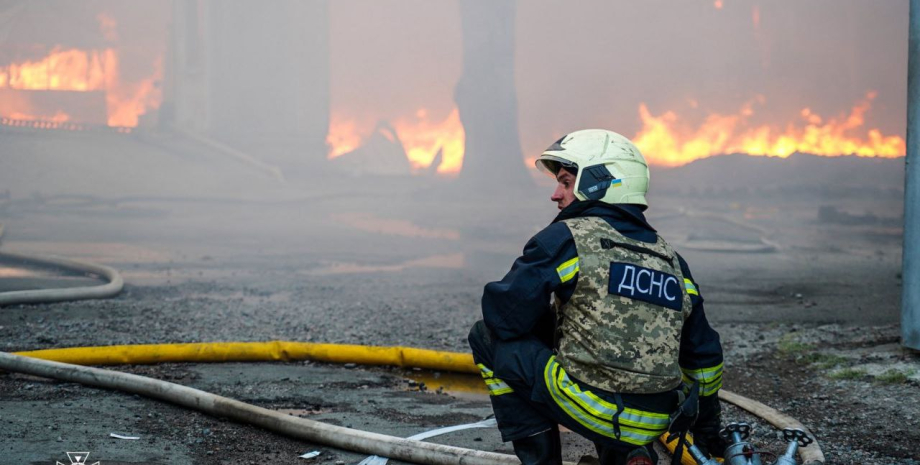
301,428
272,351
344,353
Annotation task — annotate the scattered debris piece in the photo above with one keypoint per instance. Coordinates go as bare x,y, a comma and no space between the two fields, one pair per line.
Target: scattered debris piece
310,455
123,436
487,423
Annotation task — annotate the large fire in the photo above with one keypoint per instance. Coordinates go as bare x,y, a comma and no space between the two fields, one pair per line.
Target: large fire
127,101
421,137
665,140
343,136
81,71
60,70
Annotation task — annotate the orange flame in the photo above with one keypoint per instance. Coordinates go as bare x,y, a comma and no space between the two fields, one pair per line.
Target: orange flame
127,101
665,141
82,71
61,70
59,117
343,136
421,137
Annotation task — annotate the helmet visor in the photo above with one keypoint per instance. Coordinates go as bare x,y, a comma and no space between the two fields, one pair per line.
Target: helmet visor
551,164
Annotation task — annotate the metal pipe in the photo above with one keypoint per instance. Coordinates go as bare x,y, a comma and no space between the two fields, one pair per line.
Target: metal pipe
910,274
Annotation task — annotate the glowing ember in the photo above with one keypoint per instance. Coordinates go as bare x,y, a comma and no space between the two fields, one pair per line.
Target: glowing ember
421,137
664,140
59,117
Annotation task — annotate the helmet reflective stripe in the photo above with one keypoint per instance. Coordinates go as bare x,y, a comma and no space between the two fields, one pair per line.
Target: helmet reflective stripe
610,167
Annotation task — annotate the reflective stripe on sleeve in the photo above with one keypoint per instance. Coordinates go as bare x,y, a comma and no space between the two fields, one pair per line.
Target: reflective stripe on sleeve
637,427
568,269
710,379
691,288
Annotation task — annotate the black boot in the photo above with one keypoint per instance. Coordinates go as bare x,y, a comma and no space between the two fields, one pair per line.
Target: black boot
626,455
706,430
540,449
641,456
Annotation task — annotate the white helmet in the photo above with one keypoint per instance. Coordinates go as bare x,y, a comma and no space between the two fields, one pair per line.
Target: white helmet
610,167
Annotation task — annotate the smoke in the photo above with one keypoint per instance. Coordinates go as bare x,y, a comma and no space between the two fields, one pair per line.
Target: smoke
592,63
273,175
585,64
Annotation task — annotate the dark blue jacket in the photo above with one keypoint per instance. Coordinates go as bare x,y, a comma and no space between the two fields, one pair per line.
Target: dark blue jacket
519,304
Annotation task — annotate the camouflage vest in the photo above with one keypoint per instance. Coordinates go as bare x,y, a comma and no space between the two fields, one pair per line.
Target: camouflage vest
620,330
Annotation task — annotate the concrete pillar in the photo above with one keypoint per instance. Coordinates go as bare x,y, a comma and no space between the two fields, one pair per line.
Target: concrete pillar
253,75
269,78
487,99
910,291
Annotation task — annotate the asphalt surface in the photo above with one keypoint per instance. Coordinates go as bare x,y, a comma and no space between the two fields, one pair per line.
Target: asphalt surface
406,272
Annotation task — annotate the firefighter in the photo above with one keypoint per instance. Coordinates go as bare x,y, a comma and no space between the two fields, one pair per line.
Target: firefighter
599,325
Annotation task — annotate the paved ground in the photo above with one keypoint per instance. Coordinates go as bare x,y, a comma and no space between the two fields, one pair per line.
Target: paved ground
808,328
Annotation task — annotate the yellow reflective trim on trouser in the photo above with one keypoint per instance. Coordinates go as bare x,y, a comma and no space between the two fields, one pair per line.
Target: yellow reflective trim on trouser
709,390
605,428
568,269
691,288
496,386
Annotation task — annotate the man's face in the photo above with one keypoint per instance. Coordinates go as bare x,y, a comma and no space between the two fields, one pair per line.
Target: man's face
565,189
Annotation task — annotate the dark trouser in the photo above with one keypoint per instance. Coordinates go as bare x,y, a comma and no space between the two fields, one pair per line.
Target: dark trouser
520,374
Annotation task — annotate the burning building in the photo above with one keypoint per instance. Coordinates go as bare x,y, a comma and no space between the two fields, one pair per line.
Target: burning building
65,66
303,81
188,65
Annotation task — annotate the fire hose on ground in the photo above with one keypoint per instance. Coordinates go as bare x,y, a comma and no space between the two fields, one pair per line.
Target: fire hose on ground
301,428
36,296
47,363
65,364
